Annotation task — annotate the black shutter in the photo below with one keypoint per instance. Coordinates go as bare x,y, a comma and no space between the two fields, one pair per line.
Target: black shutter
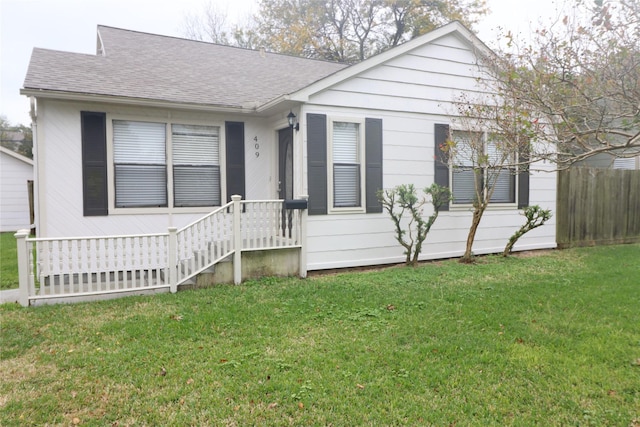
523,178
234,133
441,158
373,141
317,163
93,129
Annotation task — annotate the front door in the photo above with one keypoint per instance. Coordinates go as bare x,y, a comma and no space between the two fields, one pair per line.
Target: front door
285,174
285,163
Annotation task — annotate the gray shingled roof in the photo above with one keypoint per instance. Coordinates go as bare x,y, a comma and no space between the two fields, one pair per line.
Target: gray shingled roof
160,68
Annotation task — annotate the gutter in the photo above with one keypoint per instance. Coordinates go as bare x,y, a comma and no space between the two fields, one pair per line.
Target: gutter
86,97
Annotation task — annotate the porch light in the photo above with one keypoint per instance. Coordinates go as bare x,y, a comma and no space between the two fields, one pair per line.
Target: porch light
293,123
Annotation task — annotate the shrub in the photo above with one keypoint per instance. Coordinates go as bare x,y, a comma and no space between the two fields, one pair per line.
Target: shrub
404,198
536,216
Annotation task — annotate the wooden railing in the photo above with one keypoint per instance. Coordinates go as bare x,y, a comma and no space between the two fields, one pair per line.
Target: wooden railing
203,243
82,266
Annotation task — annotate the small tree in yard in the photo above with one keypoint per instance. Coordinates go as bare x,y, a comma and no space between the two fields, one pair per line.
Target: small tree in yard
536,216
404,198
493,147
581,76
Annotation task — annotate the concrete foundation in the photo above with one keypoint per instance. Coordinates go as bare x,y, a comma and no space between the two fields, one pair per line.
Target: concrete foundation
255,264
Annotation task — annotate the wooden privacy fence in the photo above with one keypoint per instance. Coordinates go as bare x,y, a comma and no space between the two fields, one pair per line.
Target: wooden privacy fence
598,207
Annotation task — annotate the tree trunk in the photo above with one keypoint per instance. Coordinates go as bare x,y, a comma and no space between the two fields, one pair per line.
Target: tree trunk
467,258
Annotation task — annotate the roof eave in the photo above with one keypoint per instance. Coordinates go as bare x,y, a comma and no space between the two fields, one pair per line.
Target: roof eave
17,156
112,99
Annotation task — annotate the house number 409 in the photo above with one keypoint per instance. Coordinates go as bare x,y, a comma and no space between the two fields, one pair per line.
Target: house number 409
256,146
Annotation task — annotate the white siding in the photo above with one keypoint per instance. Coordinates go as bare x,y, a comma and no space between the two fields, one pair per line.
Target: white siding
411,94
14,199
60,162
425,80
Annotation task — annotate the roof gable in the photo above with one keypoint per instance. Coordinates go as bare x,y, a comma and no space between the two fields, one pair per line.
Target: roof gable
16,156
465,37
143,68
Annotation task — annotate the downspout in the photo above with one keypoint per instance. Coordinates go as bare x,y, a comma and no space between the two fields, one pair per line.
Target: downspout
36,169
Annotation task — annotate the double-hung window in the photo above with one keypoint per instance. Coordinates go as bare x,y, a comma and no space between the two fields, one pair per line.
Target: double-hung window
480,164
463,172
139,157
196,165
346,155
144,172
502,178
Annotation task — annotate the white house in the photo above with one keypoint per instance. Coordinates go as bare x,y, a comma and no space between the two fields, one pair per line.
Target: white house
155,132
15,173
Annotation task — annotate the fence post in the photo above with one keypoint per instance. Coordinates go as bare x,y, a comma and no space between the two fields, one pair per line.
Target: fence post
303,240
23,266
237,240
173,259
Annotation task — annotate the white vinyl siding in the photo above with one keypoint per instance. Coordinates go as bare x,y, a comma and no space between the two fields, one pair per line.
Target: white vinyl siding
196,165
139,157
629,163
346,165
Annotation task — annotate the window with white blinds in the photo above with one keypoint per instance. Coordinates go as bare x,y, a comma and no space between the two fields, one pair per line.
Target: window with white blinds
139,157
463,183
504,188
346,165
196,165
462,175
497,170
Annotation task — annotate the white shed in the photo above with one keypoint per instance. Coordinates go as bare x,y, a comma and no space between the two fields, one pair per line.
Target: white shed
15,173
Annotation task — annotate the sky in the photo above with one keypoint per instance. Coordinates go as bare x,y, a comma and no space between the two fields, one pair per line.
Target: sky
70,25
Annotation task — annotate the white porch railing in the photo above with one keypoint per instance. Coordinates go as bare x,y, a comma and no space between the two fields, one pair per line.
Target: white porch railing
84,266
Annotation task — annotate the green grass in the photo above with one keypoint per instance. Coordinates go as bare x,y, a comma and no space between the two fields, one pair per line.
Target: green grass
8,261
552,339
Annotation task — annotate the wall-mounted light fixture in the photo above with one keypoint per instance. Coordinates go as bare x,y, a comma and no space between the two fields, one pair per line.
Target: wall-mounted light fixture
293,123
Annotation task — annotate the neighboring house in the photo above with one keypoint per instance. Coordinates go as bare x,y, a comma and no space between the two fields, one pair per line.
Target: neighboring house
609,161
11,139
155,131
15,173
629,163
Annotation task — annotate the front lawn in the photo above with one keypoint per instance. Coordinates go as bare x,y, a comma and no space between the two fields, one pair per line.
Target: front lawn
550,339
8,261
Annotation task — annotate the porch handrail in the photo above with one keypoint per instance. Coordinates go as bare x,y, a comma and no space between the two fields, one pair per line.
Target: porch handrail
56,267
221,208
201,244
55,239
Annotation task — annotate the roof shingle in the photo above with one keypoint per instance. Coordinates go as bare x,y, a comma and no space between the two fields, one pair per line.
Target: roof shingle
161,68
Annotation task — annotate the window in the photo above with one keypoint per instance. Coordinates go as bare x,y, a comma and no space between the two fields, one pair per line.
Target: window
488,167
320,168
140,164
143,170
346,165
196,165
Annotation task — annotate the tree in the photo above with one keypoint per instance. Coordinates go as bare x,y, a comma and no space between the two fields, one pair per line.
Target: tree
4,135
16,138
352,30
572,93
581,78
404,198
493,146
213,25
535,217
26,145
